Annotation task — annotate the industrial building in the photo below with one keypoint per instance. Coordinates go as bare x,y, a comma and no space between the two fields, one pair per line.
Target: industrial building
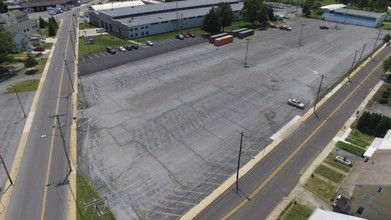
355,17
146,20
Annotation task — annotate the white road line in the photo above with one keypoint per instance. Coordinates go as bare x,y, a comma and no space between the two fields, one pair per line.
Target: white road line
102,54
96,55
90,57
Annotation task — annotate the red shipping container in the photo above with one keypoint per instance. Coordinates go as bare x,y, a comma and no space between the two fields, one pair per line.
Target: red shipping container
224,40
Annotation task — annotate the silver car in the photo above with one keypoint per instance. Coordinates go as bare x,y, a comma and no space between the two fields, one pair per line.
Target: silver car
296,103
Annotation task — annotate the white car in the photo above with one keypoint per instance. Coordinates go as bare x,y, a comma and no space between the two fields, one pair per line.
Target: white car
296,103
343,160
122,49
149,43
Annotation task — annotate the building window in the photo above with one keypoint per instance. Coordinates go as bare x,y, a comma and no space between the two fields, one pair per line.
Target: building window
380,189
142,28
135,29
367,199
163,22
146,27
136,34
142,33
153,24
131,29
131,35
147,33
360,210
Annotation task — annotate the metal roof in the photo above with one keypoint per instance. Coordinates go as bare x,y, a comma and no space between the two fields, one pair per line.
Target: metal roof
116,5
358,13
168,16
145,9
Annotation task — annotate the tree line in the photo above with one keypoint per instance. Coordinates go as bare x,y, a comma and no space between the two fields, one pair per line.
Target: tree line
374,124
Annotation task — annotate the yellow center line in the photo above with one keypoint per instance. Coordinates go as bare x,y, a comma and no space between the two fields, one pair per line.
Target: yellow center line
52,141
241,205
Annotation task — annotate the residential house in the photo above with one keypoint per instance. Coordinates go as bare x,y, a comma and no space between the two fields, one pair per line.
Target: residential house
366,191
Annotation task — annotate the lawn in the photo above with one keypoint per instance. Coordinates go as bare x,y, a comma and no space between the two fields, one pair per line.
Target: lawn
24,86
351,148
386,25
301,2
324,190
100,43
330,159
41,65
86,193
329,174
83,26
296,212
361,139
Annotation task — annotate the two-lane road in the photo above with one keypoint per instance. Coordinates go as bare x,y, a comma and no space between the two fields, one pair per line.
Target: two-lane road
39,191
262,188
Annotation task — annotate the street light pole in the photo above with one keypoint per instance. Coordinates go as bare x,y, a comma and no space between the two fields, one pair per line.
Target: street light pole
237,170
301,34
69,75
351,67
73,46
245,59
374,46
6,170
63,142
317,95
20,103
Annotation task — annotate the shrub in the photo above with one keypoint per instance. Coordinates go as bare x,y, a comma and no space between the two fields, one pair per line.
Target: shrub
383,101
350,148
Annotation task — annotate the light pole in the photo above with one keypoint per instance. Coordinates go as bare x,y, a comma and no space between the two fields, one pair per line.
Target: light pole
73,46
351,67
374,46
245,59
317,95
301,34
363,48
6,170
69,75
240,154
63,143
20,103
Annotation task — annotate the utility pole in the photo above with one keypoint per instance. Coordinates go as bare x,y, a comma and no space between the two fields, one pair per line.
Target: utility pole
301,34
351,67
374,46
20,103
6,170
317,95
73,46
63,142
363,48
237,170
84,92
177,22
344,20
245,59
69,75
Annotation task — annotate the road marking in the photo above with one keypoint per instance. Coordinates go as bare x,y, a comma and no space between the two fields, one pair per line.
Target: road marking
90,57
96,55
103,54
241,205
45,192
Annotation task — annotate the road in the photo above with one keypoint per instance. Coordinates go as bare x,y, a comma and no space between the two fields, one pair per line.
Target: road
275,176
41,189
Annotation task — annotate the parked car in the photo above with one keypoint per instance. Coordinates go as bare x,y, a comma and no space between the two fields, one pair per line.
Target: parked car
285,27
100,30
179,36
135,46
190,35
122,49
39,49
296,103
324,27
149,43
128,47
110,50
343,160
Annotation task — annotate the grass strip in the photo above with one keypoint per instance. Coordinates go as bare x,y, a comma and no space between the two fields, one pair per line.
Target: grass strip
321,188
24,86
350,148
330,159
329,174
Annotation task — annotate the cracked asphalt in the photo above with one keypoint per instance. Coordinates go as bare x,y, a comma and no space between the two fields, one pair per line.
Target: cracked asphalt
160,134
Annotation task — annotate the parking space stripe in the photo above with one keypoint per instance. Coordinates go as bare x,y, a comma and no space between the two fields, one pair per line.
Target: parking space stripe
90,57
96,55
102,54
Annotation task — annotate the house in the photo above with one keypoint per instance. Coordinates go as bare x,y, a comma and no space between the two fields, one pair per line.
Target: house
379,143
366,191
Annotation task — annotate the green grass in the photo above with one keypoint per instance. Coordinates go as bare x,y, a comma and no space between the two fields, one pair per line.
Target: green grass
324,190
41,65
44,32
86,193
100,44
330,159
329,174
83,26
297,212
24,86
386,25
48,46
350,148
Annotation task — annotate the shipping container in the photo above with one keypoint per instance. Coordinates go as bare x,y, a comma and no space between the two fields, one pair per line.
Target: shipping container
247,33
213,37
235,33
224,40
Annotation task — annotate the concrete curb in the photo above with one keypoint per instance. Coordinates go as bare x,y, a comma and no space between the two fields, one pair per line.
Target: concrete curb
6,198
192,213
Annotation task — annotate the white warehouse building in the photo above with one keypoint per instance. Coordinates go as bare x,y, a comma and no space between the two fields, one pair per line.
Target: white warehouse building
355,17
146,20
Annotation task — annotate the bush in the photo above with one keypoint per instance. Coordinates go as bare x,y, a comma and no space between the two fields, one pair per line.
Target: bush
31,72
383,101
350,148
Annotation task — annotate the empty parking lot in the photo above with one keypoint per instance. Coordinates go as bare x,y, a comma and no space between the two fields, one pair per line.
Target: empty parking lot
161,133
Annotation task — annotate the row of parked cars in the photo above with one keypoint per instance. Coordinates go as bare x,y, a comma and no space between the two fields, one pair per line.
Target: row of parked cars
122,48
183,36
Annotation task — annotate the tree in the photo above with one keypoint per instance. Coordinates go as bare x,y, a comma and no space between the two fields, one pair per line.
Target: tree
306,9
30,62
3,7
263,16
211,23
42,23
250,10
387,65
7,47
52,29
225,13
387,38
